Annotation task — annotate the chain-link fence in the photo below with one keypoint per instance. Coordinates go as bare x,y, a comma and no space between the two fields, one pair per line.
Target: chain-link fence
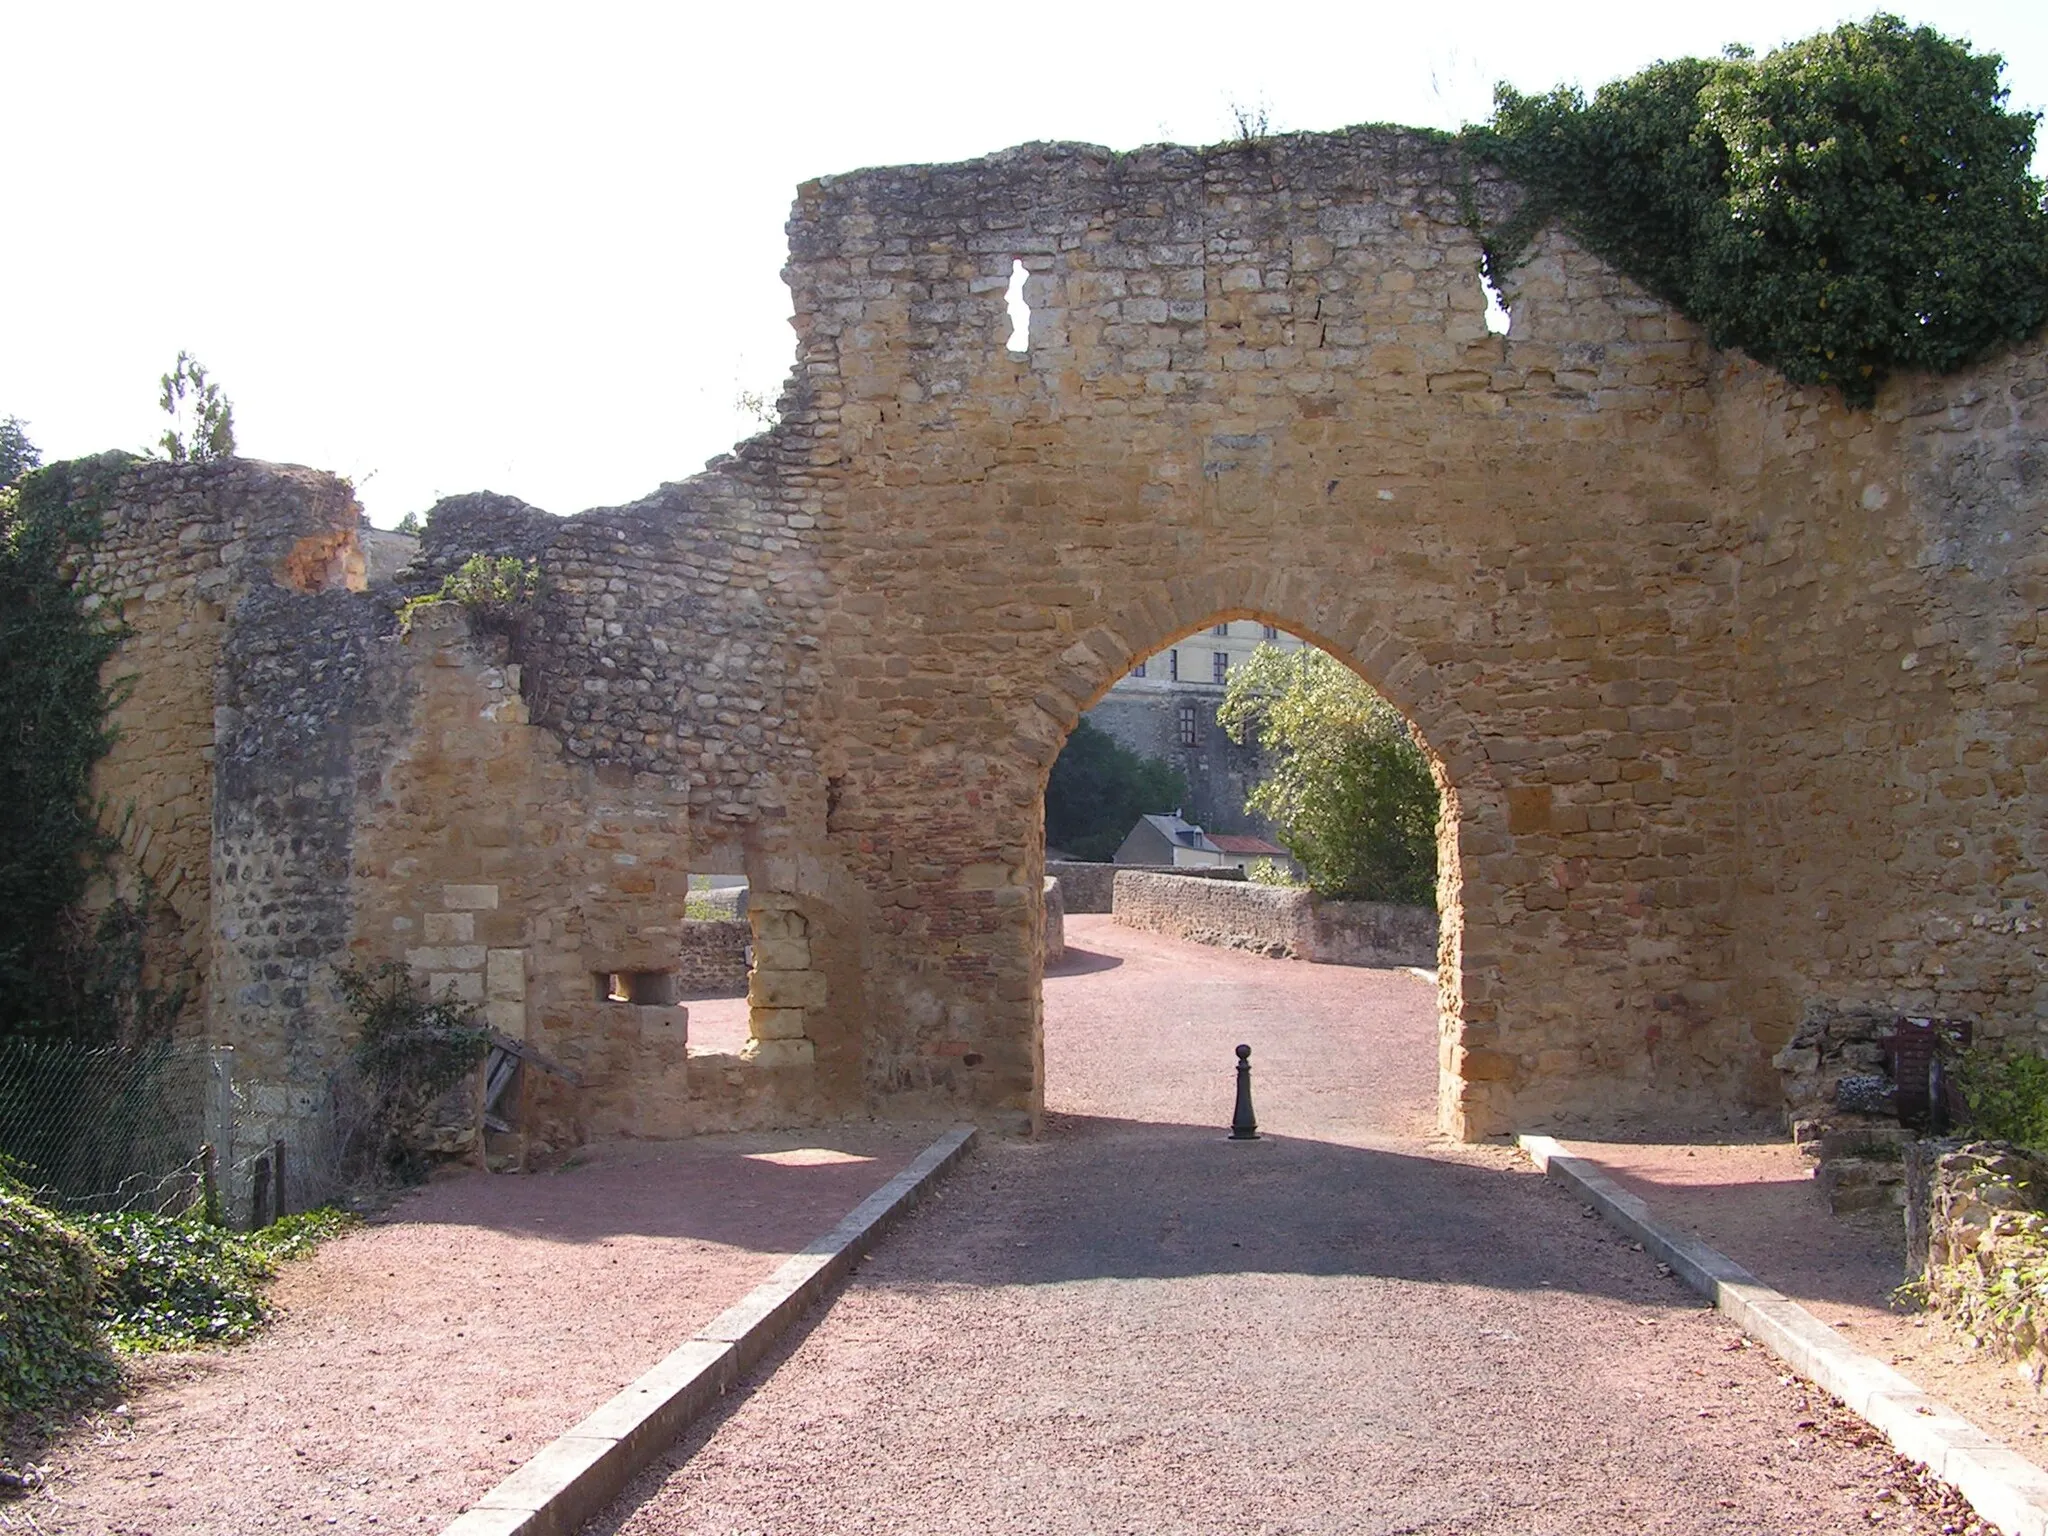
166,1127
112,1129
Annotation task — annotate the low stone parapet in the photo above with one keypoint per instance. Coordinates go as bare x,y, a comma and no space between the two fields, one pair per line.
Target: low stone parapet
1089,887
1284,922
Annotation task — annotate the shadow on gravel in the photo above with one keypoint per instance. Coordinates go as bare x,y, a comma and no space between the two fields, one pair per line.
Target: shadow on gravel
1100,1199
770,1193
1081,962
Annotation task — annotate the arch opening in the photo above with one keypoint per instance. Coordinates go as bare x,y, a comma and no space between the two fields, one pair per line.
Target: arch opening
1142,926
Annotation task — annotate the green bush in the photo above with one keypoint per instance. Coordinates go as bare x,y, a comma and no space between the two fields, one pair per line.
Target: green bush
174,1281
2006,1095
52,1353
1845,207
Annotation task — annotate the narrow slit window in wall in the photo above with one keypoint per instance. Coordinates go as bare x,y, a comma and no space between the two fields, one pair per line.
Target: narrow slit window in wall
1020,311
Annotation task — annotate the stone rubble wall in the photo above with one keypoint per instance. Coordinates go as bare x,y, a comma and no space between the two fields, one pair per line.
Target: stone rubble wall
1283,922
1734,694
1977,1237
713,957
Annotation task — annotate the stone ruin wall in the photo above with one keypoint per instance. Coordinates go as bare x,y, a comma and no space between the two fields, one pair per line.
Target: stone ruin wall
1732,690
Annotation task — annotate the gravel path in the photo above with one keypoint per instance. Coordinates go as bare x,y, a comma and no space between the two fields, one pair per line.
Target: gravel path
1134,1325
422,1358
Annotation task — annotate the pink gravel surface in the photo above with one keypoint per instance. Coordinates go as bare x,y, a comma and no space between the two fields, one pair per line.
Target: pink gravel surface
1133,1325
423,1357
1751,1195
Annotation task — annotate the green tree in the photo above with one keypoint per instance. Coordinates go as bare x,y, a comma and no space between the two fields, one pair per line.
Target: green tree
17,454
1844,207
1099,788
202,429
1350,791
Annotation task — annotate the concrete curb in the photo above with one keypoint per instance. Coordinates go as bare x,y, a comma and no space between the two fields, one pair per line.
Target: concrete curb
575,1475
2002,1485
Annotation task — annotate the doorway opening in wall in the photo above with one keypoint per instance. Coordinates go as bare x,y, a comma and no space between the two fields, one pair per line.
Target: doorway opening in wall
716,962
1244,851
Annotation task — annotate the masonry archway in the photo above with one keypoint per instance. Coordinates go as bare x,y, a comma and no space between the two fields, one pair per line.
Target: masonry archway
1461,1093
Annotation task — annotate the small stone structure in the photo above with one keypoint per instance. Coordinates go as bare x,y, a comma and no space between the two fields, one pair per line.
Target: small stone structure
1734,695
1284,922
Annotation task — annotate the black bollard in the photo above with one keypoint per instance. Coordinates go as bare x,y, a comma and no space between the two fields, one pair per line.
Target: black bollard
1244,1126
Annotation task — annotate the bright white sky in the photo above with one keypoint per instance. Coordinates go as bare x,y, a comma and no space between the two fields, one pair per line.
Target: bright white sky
535,249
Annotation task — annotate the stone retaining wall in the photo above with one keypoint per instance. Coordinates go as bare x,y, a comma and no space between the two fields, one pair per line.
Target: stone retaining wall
1088,887
1285,922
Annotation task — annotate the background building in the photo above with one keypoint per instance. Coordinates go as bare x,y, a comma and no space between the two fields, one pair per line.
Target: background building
1166,706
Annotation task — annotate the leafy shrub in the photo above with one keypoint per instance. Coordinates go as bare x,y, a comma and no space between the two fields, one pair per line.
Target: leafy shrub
1847,206
175,1281
498,590
1350,791
2006,1095
411,1049
1272,872
52,1353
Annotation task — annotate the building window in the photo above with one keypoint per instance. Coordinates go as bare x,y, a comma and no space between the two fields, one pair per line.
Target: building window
1219,666
1221,629
1269,631
1138,670
1189,735
1173,665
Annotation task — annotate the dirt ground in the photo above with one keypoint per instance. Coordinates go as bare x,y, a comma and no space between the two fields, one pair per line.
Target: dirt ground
1135,1325
422,1358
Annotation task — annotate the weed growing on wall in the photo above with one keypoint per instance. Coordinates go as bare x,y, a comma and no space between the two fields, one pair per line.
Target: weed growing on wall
498,591
1845,207
202,429
411,1049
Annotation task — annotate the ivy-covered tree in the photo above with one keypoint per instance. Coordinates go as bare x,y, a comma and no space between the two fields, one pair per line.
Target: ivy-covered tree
1099,788
1843,208
1350,791
54,707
